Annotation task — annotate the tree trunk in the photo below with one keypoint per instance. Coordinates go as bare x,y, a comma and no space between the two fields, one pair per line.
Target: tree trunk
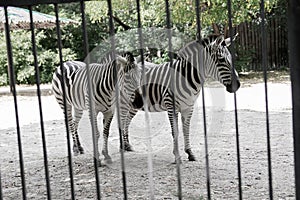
216,29
226,31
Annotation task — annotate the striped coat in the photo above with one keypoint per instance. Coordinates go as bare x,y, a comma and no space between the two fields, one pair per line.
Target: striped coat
182,81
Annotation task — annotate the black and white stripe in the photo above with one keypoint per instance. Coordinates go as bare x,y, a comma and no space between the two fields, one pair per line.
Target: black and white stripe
195,63
104,79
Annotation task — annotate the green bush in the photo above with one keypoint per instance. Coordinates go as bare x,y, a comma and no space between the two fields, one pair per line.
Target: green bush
244,58
23,60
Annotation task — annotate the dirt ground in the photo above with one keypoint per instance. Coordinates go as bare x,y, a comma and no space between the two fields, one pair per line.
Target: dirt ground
221,146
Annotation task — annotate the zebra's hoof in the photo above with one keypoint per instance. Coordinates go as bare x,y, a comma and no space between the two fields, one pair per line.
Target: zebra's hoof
107,158
78,150
191,156
81,150
108,161
128,147
99,164
177,160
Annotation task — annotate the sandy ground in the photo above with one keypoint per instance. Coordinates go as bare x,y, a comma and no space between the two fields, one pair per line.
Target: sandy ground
221,146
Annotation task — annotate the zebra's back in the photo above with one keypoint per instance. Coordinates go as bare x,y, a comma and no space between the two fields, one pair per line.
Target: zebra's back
71,68
103,79
160,86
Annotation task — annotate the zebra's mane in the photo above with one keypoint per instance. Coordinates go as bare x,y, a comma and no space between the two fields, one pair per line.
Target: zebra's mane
205,42
109,56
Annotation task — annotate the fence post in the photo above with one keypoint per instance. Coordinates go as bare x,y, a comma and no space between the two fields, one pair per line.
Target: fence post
294,60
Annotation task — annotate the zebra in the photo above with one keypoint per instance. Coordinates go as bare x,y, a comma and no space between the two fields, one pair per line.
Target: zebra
195,63
104,77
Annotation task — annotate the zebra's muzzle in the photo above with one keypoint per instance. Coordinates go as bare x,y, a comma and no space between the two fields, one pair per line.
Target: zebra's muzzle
233,86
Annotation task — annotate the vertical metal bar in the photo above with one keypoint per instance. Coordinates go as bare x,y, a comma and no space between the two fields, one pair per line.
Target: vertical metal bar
13,87
37,77
204,109
91,103
59,42
1,194
198,13
175,116
235,102
147,117
112,35
264,63
294,61
206,147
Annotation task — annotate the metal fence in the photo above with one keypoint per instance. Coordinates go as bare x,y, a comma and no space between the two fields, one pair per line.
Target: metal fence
249,41
179,175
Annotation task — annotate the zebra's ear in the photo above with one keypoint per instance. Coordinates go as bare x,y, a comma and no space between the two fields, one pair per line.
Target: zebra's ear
138,59
228,41
121,60
216,44
129,57
218,41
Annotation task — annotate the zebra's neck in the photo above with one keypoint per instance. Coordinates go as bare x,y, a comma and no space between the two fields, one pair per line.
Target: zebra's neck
117,73
198,57
110,70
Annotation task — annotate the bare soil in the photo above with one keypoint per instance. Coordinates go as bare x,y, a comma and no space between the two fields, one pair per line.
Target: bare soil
222,148
222,161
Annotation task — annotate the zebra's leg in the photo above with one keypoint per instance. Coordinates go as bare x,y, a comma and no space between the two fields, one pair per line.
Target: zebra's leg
127,113
77,146
175,132
97,155
72,128
107,118
186,116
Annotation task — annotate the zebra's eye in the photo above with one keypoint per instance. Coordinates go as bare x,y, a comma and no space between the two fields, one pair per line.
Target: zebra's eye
220,54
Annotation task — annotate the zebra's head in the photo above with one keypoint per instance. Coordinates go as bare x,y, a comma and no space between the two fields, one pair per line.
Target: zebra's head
129,61
221,66
125,61
131,72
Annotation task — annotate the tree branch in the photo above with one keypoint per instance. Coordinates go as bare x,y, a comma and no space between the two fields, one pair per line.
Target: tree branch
119,21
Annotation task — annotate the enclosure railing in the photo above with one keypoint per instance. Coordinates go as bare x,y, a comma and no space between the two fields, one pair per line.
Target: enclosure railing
249,43
294,59
294,32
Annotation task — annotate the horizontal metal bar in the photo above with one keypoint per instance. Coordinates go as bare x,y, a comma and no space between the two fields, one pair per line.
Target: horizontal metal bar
36,2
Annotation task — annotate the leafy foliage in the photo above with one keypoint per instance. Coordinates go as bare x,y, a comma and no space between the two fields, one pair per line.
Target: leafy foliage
183,12
23,60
